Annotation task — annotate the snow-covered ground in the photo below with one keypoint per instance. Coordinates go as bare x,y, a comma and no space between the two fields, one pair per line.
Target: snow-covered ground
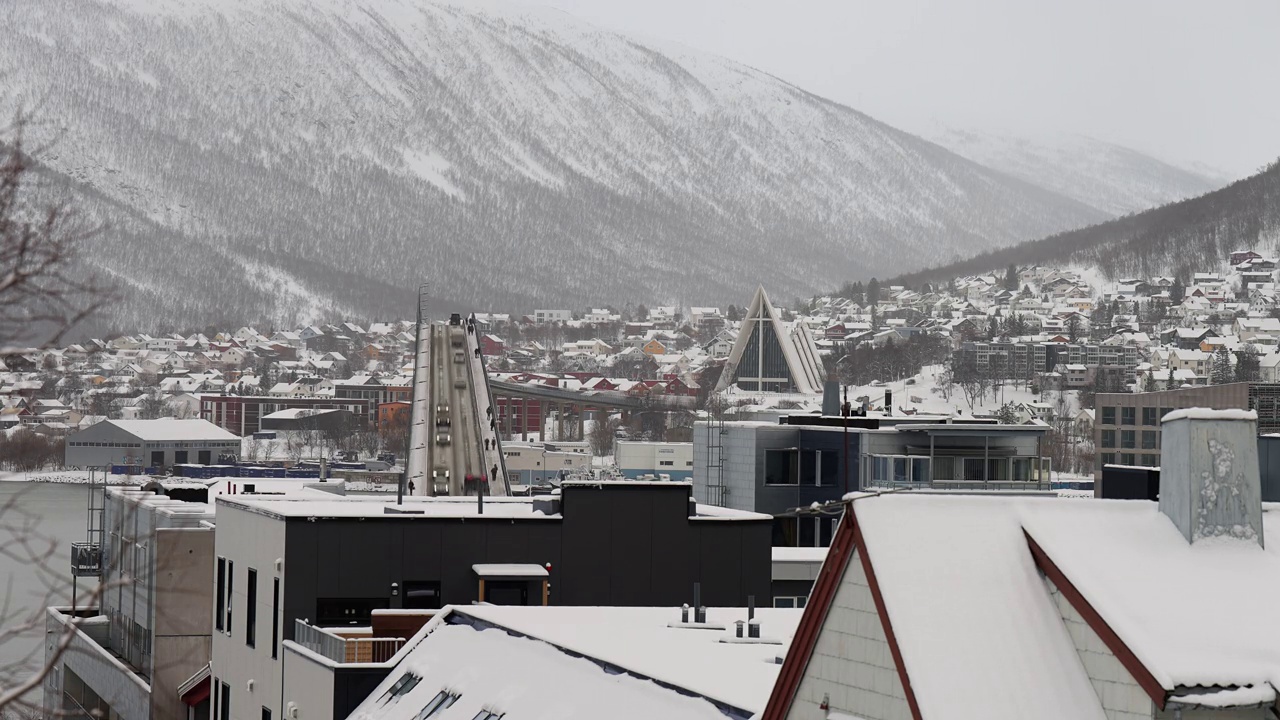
68,477
922,393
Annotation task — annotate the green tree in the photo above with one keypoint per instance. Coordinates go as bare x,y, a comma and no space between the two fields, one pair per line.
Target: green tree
1248,364
1011,277
1221,372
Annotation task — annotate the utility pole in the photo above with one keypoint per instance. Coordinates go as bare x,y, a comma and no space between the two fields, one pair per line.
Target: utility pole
844,413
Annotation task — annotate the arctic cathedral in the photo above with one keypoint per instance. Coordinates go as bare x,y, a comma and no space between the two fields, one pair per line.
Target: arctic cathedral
770,355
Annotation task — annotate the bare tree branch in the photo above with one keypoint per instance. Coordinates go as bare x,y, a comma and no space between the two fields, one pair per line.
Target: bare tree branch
45,289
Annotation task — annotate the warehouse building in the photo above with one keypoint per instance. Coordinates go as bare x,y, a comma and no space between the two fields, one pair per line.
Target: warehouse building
149,443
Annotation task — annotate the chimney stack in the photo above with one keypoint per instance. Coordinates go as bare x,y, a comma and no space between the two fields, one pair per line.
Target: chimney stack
1209,484
888,401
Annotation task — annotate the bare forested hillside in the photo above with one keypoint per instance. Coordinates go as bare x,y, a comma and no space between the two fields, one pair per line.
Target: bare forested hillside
1178,238
290,159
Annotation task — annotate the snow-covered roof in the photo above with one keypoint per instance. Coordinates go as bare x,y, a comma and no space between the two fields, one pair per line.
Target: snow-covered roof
640,640
799,554
506,570
978,631
171,429
571,663
1220,627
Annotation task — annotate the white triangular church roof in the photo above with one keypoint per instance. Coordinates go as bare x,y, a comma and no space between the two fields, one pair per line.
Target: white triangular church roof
798,347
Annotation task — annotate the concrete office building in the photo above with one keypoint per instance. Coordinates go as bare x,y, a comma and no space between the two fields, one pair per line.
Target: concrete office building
336,561
149,443
128,656
781,469
1127,428
654,460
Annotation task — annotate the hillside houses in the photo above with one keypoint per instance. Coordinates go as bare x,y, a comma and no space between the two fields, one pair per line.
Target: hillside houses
1054,326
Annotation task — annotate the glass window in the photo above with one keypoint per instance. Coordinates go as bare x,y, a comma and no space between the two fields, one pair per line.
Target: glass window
1128,439
808,467
1128,416
222,594
777,468
784,602
1108,438
1108,458
275,618
407,682
1148,439
899,470
440,702
1108,416
251,609
231,580
879,470
973,469
1022,469
829,468
809,531
920,470
1151,460
1128,459
1149,416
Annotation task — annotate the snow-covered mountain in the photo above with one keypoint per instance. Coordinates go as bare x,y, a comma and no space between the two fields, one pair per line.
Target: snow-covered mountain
1110,177
286,159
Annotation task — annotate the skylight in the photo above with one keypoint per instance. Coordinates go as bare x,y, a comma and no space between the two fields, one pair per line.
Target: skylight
406,683
487,715
443,700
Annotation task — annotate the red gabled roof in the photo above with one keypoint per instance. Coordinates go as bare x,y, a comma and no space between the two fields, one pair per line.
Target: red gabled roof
847,541
197,694
1094,620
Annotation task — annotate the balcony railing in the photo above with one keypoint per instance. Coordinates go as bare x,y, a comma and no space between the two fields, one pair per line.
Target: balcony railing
344,649
86,559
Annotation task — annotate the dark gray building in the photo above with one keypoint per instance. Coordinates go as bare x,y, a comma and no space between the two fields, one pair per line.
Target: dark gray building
336,561
782,469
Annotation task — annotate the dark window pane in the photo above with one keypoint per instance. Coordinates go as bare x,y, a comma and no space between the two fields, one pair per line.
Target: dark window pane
251,609
777,467
222,594
1128,416
808,531
1150,416
1108,416
1127,439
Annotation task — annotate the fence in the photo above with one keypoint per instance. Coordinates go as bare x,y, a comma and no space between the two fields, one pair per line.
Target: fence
345,650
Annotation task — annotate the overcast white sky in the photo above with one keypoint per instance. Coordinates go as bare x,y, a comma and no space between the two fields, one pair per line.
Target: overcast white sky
1184,80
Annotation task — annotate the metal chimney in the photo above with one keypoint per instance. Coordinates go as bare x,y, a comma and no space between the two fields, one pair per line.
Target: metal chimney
1209,483
888,401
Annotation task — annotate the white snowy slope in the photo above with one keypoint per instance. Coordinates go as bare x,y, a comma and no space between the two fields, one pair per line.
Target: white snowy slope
285,159
1112,178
